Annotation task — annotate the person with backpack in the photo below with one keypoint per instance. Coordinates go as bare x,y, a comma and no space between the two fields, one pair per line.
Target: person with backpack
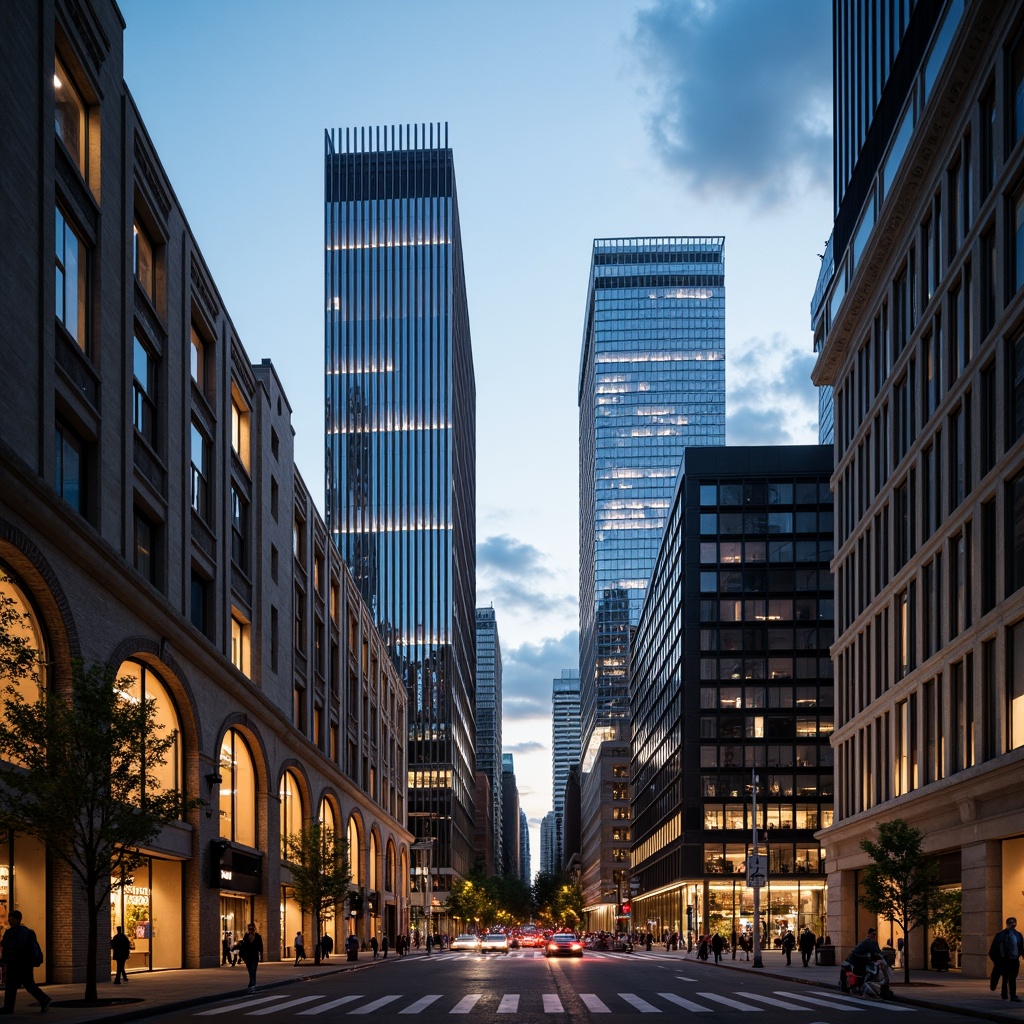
20,955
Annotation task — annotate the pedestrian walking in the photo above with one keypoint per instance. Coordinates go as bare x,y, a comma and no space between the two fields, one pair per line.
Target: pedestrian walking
788,945
227,951
1005,953
300,948
717,945
747,943
374,946
327,946
807,941
384,946
120,950
20,955
250,949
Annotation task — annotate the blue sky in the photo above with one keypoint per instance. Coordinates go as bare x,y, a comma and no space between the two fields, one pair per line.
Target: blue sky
569,120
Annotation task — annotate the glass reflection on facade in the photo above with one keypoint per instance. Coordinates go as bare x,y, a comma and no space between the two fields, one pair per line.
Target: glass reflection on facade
400,473
652,381
731,677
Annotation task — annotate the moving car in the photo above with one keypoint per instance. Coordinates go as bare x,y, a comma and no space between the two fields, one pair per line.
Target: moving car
563,944
494,942
466,944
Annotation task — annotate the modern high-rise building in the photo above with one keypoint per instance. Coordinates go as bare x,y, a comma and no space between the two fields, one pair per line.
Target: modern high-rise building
524,848
565,749
401,436
488,713
548,834
731,678
918,315
652,381
510,845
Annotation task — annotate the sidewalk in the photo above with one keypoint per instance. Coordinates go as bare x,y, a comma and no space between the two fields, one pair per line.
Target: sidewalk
933,990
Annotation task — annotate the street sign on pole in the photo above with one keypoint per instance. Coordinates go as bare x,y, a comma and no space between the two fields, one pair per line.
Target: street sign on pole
757,871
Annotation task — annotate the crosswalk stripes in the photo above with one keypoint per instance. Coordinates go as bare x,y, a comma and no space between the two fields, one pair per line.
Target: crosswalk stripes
686,1004
511,1003
637,1003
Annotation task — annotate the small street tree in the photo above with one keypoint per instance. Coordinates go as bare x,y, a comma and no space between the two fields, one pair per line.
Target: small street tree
77,771
320,874
900,884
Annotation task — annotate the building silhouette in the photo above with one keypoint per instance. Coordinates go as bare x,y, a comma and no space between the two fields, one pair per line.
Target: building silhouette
731,680
401,436
565,750
511,845
152,520
488,715
918,314
548,844
652,381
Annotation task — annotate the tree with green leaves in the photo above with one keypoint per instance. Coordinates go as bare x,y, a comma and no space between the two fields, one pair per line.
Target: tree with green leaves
900,883
78,772
557,901
320,874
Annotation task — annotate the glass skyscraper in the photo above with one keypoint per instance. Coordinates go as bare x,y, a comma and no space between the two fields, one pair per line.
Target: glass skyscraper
401,447
652,382
488,712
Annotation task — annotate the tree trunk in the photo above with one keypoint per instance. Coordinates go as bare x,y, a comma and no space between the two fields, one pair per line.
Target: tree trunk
316,940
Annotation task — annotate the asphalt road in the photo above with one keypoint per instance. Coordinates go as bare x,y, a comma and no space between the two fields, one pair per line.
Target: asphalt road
603,987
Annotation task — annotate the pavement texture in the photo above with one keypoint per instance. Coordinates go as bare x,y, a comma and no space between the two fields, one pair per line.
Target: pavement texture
149,993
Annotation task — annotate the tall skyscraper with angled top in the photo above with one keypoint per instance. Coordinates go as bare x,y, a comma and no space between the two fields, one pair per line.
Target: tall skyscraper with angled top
401,449
652,382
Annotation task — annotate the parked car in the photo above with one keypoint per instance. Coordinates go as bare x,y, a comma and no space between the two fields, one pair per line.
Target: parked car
494,942
563,944
466,944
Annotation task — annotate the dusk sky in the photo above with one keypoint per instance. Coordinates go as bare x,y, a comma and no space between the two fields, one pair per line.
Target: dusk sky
569,120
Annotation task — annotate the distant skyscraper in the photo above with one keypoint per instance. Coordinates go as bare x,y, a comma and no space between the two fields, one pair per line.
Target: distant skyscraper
401,463
510,848
524,848
652,382
488,712
548,844
565,749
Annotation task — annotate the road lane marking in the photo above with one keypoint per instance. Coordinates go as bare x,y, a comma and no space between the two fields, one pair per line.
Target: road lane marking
836,1002
552,1004
509,1004
324,1007
770,1001
640,1004
592,1003
237,1006
420,1004
283,1006
726,1001
375,1005
686,1004
465,1004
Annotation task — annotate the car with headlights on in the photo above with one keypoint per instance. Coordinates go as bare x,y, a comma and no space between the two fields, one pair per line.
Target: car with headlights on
466,944
494,942
563,944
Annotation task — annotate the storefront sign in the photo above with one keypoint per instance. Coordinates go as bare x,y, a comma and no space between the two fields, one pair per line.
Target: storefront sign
234,870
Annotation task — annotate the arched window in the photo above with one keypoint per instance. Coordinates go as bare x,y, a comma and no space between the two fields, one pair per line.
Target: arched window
374,877
291,809
147,685
237,790
22,624
354,859
328,819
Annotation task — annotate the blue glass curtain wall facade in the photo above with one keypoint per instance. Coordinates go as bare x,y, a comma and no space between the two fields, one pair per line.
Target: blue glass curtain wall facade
401,459
731,675
652,381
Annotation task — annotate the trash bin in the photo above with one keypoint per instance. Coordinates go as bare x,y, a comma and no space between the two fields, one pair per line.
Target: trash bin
352,948
826,956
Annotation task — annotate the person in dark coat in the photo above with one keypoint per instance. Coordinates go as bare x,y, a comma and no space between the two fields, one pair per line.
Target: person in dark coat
384,946
374,946
19,957
1005,952
327,946
300,948
788,945
806,943
717,945
250,949
120,950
